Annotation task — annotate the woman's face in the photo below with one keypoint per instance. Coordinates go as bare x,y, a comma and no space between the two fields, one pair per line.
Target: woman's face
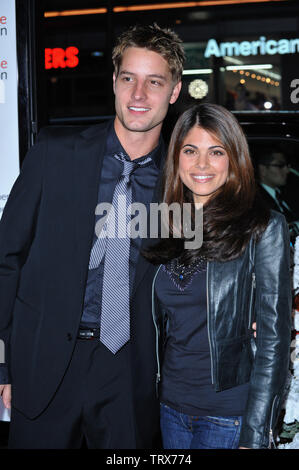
203,164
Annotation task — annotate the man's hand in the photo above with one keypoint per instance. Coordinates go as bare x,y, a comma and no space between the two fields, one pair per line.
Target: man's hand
5,392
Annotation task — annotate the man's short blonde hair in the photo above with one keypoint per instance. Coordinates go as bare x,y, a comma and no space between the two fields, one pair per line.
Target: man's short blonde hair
164,41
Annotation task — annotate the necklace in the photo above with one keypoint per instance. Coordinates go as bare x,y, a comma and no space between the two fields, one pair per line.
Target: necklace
182,274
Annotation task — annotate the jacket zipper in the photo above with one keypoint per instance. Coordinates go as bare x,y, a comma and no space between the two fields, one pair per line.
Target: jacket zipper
271,438
208,324
158,374
253,284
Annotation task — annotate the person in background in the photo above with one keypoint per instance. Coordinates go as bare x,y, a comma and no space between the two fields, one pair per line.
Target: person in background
219,387
80,344
272,173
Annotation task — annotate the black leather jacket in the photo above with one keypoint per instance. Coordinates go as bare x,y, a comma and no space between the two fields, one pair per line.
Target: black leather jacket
254,287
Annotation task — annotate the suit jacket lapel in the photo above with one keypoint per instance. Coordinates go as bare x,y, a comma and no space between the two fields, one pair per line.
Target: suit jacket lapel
89,153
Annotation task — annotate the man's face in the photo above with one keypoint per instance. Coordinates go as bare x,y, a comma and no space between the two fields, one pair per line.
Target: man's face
143,90
273,175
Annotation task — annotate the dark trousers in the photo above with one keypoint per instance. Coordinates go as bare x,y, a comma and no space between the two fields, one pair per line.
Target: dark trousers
93,401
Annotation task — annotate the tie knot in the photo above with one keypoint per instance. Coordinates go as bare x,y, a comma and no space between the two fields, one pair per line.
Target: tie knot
128,168
129,165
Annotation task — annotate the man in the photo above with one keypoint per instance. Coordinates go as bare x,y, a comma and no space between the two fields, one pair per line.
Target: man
273,170
81,367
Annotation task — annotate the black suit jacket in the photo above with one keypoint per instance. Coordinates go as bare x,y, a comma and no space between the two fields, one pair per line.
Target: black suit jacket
270,202
45,239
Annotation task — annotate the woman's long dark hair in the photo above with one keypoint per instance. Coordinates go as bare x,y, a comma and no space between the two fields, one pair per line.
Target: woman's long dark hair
233,214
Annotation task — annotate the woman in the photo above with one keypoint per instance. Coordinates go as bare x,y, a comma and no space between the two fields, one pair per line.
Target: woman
218,386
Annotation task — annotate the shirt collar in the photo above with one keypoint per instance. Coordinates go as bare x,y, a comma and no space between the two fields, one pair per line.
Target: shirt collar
269,190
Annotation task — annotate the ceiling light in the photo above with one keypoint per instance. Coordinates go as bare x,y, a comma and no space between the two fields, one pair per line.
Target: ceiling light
249,67
197,71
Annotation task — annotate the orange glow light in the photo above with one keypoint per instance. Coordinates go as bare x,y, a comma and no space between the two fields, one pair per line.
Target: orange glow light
90,11
155,6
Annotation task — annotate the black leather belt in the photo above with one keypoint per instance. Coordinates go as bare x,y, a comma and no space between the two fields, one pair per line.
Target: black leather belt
88,333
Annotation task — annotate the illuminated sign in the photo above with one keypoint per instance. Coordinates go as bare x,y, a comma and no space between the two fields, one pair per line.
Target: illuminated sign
59,58
247,48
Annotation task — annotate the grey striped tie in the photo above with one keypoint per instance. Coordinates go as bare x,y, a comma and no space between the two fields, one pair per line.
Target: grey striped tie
115,314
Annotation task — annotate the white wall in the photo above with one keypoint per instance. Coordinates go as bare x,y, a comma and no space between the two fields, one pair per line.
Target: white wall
9,134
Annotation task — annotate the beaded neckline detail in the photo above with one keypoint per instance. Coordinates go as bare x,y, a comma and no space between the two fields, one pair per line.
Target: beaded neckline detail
182,275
